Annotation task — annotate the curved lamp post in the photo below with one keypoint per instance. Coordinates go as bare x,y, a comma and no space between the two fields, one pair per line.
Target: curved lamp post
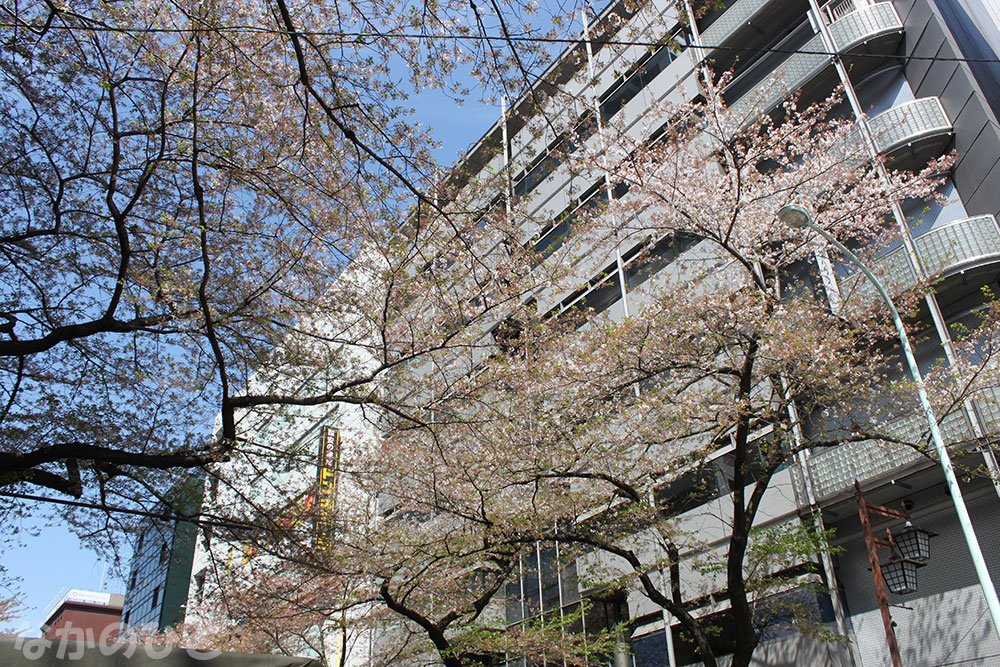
798,218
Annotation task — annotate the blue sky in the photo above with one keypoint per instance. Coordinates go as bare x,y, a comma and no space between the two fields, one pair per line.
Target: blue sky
47,563
50,557
457,128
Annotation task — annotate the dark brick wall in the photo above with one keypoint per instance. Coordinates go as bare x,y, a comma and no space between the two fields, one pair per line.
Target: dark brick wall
95,622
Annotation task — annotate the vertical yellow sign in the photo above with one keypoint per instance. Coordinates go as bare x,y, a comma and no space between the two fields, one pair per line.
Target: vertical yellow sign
326,486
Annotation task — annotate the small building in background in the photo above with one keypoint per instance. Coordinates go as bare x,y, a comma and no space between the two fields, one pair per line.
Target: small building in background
85,616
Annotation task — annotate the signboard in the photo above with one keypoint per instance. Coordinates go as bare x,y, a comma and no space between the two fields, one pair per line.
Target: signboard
87,597
302,507
326,486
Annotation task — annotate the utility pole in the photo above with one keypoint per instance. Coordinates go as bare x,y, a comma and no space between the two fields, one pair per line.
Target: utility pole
872,542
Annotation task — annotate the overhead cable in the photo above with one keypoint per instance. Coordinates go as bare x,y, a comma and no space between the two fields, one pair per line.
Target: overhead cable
366,38
165,515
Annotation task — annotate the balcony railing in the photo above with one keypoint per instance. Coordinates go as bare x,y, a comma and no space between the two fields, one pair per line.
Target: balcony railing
835,470
906,124
851,29
835,9
959,244
787,78
893,271
864,24
909,122
988,409
942,250
732,20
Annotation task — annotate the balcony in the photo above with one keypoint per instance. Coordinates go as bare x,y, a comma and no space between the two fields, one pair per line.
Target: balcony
733,19
913,132
834,470
959,245
893,271
865,24
869,29
749,25
944,250
988,409
908,134
786,79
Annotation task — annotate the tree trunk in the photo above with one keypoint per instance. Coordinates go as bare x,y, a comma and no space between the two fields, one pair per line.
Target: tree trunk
743,515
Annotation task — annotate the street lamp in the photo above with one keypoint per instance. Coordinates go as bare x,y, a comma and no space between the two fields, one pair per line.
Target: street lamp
914,543
900,575
798,217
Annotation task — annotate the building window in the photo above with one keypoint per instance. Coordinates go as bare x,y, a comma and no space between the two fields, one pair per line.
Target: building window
650,650
156,598
602,292
553,235
713,479
721,636
549,160
649,260
801,280
163,553
507,335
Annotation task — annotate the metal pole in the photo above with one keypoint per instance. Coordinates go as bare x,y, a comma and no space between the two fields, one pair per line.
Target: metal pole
982,572
608,187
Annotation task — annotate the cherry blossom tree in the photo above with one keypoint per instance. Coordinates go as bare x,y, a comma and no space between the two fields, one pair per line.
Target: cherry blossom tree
182,186
223,208
576,428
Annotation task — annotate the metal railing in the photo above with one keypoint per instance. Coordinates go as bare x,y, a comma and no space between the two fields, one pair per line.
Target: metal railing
852,28
835,470
836,9
796,70
863,24
958,244
942,250
732,20
909,122
892,269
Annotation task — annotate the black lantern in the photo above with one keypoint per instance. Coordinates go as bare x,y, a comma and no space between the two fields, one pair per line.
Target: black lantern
914,543
900,575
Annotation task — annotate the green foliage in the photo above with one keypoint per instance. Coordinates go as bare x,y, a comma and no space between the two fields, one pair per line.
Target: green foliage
552,637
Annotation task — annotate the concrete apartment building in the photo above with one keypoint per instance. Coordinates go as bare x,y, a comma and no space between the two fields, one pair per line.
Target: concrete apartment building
923,76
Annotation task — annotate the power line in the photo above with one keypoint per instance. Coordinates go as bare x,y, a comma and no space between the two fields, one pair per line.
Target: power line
165,515
366,38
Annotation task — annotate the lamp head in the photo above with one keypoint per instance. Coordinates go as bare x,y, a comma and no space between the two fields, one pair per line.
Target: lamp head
794,216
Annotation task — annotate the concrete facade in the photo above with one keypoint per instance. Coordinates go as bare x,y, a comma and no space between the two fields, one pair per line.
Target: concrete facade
903,63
